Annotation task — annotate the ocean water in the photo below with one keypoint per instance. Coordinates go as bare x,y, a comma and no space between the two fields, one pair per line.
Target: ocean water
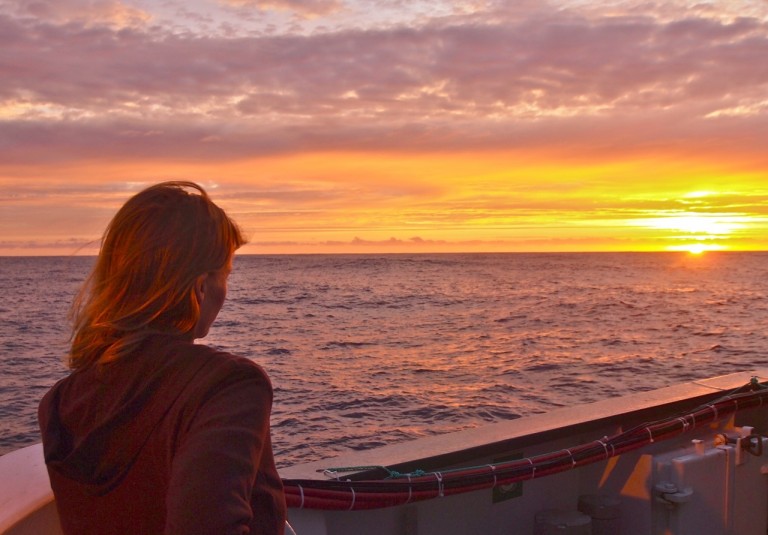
367,350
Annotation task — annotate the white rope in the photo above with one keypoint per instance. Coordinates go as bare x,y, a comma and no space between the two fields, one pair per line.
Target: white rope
605,447
410,489
573,460
493,469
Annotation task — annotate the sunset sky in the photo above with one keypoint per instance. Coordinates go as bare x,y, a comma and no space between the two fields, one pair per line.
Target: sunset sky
328,126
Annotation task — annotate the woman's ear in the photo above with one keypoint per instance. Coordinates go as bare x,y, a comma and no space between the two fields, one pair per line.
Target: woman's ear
200,287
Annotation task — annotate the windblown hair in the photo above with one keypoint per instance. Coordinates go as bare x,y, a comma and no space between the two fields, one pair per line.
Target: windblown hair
152,252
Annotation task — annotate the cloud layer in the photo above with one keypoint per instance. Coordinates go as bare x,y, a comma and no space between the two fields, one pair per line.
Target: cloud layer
77,89
108,83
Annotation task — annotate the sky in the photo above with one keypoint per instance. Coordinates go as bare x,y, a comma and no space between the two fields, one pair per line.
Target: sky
376,126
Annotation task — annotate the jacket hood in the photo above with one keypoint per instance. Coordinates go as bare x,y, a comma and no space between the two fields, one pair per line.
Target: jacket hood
113,408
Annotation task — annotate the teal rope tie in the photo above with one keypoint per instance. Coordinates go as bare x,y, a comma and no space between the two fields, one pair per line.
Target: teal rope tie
394,474
391,474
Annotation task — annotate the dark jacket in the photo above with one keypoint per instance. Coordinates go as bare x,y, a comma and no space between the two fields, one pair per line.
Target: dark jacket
173,439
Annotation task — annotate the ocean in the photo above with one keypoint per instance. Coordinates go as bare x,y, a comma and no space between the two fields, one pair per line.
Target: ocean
367,350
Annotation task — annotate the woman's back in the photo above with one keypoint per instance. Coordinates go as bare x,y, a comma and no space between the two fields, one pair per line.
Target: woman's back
155,442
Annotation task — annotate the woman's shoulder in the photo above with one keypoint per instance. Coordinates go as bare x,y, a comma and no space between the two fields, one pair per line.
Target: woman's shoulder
231,363
217,363
200,373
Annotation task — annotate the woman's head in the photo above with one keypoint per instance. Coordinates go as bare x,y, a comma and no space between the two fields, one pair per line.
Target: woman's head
155,254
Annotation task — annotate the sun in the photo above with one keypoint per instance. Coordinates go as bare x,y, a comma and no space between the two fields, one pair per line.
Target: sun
697,233
697,248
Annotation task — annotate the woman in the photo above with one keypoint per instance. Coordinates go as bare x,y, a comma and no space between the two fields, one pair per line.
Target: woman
152,433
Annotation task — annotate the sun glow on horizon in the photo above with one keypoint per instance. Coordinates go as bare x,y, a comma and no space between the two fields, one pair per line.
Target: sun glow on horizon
432,203
698,224
697,248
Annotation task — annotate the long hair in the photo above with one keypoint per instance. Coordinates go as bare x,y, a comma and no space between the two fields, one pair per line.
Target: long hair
152,252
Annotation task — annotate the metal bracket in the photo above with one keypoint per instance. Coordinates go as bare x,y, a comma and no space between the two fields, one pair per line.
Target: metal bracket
668,494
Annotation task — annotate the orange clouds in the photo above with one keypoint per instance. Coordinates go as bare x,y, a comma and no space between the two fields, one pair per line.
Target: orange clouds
344,202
